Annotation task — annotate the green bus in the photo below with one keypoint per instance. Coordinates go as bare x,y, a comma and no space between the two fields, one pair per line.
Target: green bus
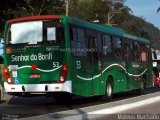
60,55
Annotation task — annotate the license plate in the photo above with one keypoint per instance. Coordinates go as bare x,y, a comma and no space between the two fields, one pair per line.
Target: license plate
35,76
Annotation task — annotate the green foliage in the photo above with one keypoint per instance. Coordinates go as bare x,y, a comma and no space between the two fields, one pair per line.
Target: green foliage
11,9
36,7
134,25
91,10
88,10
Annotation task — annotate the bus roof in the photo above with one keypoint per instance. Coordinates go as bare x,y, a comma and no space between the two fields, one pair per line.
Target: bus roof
106,29
103,28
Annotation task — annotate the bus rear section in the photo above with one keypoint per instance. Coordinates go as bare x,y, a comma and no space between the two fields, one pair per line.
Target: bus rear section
33,62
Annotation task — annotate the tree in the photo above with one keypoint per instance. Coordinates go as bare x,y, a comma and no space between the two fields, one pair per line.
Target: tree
36,7
120,14
134,25
91,10
88,10
10,9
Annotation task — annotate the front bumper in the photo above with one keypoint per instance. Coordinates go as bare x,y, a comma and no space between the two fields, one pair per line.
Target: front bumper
38,88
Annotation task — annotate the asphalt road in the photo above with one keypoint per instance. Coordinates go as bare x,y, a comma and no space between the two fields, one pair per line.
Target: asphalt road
20,107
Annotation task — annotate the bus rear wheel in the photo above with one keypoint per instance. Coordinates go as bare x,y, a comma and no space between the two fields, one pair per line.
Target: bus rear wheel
109,90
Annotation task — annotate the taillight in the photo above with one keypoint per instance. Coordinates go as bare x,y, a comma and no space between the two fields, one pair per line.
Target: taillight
7,75
63,74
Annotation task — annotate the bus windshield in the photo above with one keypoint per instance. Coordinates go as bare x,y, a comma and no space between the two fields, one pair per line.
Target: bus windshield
34,32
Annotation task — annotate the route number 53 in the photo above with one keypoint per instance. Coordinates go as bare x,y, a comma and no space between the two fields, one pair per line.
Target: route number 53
78,64
55,64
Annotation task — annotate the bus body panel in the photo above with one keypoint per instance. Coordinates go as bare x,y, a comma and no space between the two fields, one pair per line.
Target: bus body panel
127,77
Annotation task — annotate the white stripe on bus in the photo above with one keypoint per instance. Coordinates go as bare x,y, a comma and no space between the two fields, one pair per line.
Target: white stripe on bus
49,70
24,67
41,69
96,76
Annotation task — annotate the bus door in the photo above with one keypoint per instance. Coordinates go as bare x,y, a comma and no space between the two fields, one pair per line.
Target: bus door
92,59
128,65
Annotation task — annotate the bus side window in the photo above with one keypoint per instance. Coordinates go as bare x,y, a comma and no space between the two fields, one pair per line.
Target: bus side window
78,45
144,51
118,48
107,46
136,52
73,34
127,54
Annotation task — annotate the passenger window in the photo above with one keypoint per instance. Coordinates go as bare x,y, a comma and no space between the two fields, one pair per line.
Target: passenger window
144,55
107,46
78,45
136,52
81,36
118,48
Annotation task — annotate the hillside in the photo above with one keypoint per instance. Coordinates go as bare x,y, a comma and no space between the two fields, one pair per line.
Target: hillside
139,27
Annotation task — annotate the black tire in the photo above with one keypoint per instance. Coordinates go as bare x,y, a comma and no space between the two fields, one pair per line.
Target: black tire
109,90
